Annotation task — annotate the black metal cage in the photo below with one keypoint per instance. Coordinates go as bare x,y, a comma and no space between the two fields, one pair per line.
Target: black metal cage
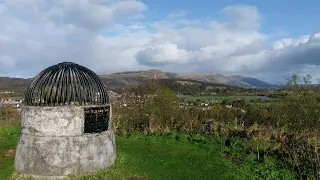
66,83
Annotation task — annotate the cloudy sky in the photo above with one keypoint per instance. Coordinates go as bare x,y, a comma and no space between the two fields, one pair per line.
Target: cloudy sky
269,40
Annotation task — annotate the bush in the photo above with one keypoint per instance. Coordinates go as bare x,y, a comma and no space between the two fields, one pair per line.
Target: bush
9,116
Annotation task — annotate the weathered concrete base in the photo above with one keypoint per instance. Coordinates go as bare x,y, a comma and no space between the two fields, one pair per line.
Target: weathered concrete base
58,156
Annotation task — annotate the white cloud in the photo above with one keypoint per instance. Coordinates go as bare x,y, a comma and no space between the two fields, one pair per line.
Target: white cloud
94,15
233,45
290,42
106,36
163,54
38,33
208,42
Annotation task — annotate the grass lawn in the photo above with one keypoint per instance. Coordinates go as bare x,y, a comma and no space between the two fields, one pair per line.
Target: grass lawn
143,157
9,136
147,157
157,159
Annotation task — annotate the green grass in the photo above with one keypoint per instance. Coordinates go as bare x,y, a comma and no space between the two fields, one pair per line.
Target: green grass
158,158
151,157
170,156
9,136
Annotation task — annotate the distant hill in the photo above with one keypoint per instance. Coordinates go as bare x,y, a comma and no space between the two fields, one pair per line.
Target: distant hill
252,82
124,79
13,81
207,77
18,85
236,80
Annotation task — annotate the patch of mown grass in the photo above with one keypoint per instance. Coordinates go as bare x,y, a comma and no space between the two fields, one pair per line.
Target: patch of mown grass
8,140
184,156
155,157
160,156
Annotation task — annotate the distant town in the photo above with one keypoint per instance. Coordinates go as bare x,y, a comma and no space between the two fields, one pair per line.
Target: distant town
16,103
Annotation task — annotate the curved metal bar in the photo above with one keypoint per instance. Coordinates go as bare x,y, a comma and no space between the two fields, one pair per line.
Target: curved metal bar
66,83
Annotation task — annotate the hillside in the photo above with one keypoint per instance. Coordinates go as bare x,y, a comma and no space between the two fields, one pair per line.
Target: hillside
236,80
124,79
18,85
251,82
135,77
13,81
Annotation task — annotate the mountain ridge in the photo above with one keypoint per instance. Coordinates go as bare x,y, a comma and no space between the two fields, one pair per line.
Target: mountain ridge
127,78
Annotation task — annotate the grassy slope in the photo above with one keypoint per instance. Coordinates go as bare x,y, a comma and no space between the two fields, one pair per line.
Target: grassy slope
155,158
151,157
8,139
161,160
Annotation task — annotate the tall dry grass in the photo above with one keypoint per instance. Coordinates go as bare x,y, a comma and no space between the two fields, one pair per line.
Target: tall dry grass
9,116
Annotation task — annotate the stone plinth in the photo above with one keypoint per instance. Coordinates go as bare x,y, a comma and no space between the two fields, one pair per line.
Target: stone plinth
53,143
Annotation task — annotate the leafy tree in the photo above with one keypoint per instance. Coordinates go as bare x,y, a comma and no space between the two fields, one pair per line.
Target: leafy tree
294,80
164,106
307,79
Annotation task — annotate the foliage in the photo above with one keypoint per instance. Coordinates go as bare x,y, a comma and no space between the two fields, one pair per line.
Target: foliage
294,114
263,169
9,116
163,108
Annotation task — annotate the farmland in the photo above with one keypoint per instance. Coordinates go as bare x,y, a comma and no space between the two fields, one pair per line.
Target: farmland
219,99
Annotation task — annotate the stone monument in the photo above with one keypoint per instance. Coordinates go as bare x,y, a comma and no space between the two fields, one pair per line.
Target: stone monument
66,124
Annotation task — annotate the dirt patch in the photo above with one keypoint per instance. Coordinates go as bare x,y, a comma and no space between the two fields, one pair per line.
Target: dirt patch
9,153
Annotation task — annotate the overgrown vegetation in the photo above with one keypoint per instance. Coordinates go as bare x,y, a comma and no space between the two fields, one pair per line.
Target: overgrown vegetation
9,116
286,130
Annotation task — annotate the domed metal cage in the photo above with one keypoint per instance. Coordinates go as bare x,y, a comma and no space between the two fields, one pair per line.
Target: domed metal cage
66,83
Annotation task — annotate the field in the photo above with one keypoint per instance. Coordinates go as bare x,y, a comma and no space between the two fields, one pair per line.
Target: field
254,100
220,98
174,156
